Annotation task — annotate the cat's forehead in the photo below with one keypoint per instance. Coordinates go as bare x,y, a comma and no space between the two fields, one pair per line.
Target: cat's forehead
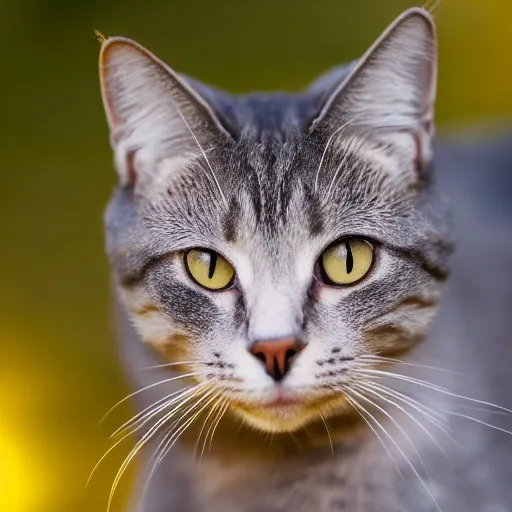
275,193
271,189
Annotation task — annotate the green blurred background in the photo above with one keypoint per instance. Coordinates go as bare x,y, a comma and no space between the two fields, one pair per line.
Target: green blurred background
58,372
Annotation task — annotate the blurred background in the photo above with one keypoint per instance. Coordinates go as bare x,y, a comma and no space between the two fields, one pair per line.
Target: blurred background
58,372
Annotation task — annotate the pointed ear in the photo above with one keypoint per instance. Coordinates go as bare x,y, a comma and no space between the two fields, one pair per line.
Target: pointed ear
152,113
390,94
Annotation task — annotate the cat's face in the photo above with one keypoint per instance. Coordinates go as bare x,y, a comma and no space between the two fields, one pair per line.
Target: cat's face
272,253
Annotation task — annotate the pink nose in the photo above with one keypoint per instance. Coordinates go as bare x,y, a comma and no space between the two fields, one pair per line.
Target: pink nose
277,355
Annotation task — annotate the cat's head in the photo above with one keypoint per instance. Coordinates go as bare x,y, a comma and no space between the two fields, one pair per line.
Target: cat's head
276,244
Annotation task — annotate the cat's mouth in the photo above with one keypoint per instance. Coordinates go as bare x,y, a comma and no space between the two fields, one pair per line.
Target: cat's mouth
284,412
282,401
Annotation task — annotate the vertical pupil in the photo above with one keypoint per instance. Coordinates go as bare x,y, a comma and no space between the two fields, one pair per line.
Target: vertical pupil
213,263
350,258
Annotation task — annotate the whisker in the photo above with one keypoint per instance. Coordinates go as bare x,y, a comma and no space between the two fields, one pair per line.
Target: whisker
295,440
181,429
209,415
431,414
402,431
206,159
434,387
478,421
186,375
177,363
158,451
212,423
329,140
224,409
142,442
410,464
409,415
418,406
172,436
117,443
354,144
152,410
481,409
392,360
103,458
358,407
328,433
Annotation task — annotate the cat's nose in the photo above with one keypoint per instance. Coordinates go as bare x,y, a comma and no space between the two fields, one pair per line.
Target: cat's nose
277,354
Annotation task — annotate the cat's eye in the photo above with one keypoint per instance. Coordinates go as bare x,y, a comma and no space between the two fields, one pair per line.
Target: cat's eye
209,269
346,262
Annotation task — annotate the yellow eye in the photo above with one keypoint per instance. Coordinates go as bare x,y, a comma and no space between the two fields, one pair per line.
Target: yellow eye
346,262
209,269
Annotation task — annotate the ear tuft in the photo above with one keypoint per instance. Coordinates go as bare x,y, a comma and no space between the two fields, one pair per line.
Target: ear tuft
431,6
99,36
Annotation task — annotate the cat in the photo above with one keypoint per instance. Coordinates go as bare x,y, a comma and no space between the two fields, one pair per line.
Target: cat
278,262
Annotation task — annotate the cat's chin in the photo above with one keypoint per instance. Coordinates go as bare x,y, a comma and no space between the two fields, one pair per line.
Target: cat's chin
288,415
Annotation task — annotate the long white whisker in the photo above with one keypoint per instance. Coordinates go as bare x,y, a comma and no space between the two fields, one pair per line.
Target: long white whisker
190,420
143,441
481,409
103,458
210,428
206,158
329,140
150,412
156,456
407,413
224,409
328,433
119,441
402,431
166,365
410,464
478,421
358,407
218,410
186,375
342,164
209,415
434,387
406,363
426,411
169,439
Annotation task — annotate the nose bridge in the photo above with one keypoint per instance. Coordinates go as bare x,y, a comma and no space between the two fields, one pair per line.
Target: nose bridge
274,313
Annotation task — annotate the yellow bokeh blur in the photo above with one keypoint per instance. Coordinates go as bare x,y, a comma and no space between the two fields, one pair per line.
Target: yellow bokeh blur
58,365
26,484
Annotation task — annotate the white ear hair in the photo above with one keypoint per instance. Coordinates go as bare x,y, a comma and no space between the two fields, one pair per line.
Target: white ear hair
152,113
391,93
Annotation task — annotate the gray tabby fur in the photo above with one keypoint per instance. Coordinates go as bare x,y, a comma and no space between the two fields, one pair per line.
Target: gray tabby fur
254,193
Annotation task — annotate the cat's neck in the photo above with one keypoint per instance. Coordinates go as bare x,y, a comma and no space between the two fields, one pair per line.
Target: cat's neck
338,478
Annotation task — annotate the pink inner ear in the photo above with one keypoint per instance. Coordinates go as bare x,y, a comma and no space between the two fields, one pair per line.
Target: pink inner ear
420,163
131,174
422,159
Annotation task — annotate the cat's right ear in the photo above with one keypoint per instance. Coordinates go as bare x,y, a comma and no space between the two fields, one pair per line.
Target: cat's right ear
390,94
153,114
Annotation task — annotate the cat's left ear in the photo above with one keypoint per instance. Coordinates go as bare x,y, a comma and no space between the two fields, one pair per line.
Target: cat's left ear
155,117
390,94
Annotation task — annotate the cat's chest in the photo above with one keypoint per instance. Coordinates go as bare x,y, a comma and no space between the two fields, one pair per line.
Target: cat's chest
365,480
356,480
